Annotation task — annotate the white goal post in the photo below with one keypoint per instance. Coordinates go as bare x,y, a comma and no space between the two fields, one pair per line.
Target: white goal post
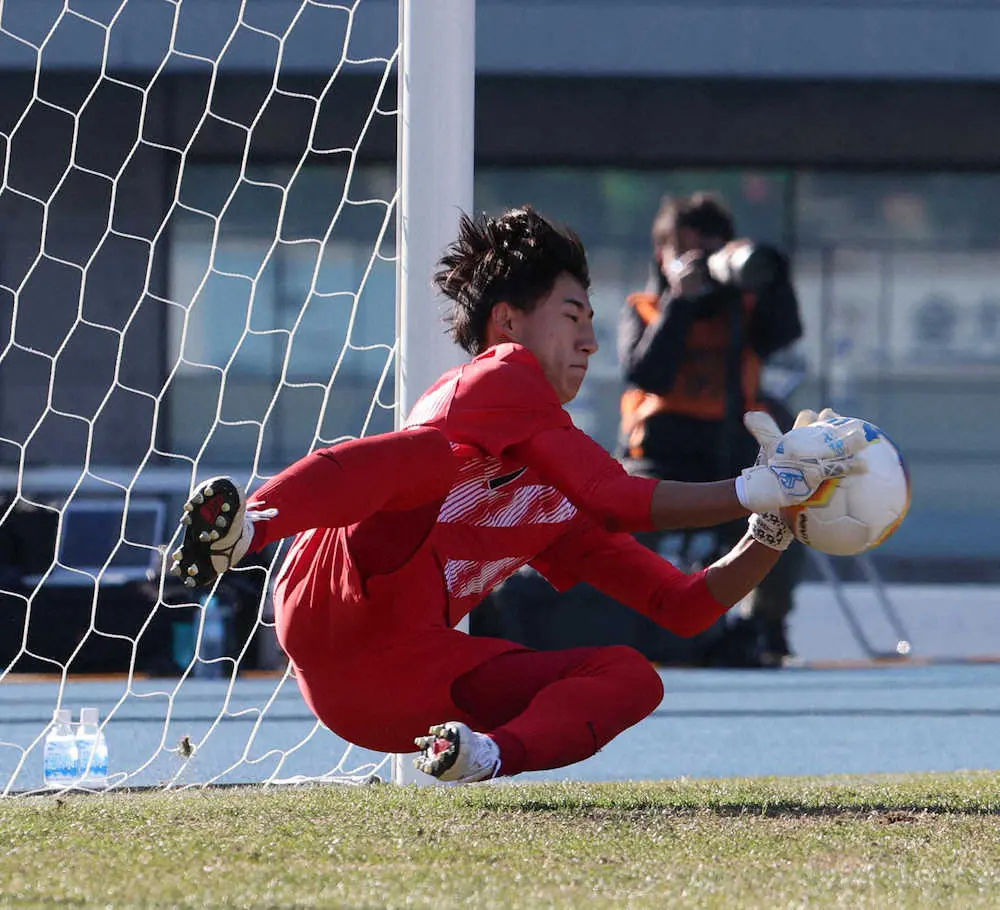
179,300
436,105
436,154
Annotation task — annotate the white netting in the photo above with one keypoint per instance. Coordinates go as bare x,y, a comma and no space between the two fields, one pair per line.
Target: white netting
197,242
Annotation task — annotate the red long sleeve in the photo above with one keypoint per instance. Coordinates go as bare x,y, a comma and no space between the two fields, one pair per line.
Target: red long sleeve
590,478
624,569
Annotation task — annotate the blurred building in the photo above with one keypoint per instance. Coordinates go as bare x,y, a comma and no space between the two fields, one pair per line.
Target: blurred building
860,135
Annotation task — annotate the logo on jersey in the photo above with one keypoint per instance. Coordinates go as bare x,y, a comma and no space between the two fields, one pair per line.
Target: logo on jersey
505,479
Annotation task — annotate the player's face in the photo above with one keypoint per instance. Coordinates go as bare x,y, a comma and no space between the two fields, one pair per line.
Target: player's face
559,331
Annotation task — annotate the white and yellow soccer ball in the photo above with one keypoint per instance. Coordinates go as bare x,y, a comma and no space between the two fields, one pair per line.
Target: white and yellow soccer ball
848,515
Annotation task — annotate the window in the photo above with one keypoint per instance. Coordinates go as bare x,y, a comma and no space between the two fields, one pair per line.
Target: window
264,288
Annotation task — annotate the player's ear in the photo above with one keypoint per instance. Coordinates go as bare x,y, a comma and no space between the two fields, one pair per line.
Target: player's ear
502,320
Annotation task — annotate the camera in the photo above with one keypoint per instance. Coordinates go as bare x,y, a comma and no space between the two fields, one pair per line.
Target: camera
745,265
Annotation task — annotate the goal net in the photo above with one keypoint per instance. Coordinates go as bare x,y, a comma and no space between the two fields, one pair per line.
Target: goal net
211,259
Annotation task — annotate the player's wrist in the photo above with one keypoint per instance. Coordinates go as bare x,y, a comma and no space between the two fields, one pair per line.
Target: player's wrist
768,529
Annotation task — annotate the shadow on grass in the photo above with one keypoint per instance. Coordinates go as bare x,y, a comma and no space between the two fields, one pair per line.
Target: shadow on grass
883,811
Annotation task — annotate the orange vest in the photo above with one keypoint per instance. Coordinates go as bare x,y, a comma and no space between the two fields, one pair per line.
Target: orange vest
699,388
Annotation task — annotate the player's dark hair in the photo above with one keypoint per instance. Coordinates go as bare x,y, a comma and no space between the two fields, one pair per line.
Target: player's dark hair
702,212
516,258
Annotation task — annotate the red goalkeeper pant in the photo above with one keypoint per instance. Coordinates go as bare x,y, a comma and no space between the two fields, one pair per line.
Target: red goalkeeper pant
551,709
544,709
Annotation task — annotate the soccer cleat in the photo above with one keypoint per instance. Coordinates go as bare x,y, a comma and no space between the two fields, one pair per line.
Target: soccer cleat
453,752
218,531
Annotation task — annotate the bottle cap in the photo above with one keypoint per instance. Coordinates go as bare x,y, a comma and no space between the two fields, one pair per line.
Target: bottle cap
63,716
88,715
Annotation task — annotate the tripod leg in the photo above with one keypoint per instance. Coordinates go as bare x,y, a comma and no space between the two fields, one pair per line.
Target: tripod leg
903,646
825,566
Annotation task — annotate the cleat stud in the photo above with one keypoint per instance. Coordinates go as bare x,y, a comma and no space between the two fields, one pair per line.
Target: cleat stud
188,507
175,569
186,520
192,570
204,537
197,499
221,522
189,582
208,491
226,507
213,535
177,555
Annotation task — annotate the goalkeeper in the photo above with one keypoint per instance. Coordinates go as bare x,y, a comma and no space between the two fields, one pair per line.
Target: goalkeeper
399,536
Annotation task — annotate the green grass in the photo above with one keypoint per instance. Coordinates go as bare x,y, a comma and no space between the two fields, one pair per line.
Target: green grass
916,841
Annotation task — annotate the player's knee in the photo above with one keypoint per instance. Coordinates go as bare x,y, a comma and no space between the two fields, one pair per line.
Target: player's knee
641,680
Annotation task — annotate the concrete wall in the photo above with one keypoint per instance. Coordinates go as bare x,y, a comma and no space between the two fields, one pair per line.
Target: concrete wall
885,39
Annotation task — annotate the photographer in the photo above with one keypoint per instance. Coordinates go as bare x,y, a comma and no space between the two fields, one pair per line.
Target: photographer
692,347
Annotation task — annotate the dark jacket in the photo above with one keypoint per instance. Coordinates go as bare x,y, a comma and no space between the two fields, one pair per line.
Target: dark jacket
699,359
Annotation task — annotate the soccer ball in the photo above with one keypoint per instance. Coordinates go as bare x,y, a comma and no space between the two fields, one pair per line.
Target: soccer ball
849,515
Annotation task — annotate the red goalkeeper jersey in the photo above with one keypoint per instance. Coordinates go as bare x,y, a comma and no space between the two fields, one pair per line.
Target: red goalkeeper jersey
530,488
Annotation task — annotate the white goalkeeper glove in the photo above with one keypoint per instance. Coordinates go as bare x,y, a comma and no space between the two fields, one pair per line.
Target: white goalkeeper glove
768,528
791,466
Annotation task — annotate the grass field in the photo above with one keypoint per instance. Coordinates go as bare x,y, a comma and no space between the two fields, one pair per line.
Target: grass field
916,841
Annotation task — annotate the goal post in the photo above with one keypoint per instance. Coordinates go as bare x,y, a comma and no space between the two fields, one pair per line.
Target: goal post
435,178
435,168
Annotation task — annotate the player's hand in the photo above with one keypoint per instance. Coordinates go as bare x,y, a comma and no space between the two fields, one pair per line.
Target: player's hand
805,417
791,466
824,446
828,415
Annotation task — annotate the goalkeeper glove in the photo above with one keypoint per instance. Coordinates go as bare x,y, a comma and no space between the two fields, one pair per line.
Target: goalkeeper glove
791,466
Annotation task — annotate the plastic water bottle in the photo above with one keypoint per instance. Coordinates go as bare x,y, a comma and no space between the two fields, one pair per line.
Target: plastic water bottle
92,750
60,756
